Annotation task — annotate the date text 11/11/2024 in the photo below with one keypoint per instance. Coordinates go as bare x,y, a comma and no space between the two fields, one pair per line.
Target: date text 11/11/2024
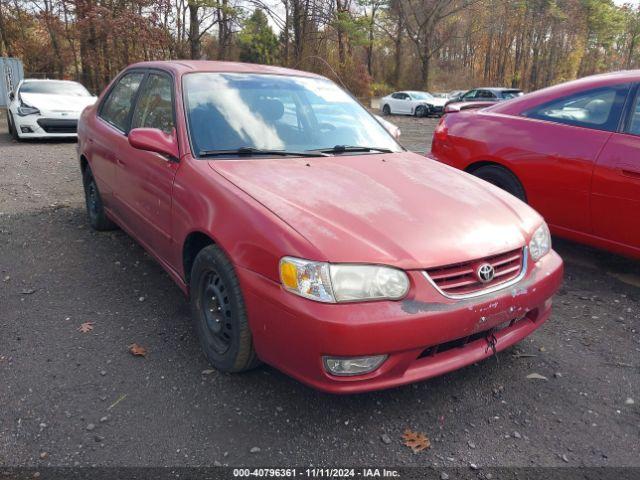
316,472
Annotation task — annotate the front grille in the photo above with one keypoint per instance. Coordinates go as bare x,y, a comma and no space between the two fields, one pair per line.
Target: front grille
55,125
462,279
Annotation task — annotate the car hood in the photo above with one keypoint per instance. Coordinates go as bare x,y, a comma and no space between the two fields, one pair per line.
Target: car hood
58,103
438,102
398,209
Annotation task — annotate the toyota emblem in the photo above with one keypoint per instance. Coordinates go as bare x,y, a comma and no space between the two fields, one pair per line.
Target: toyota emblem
485,273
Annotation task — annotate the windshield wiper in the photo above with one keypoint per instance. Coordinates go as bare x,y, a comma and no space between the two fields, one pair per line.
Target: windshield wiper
351,148
249,151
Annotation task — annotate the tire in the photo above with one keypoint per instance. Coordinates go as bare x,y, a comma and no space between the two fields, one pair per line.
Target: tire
95,209
421,111
219,313
386,110
12,127
502,178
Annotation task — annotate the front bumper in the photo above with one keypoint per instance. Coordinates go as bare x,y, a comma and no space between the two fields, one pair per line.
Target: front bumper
47,125
425,335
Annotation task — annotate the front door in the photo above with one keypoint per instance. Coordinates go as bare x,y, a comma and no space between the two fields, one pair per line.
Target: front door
615,194
565,137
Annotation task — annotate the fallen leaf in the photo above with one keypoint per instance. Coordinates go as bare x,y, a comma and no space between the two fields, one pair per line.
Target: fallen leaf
86,327
28,291
137,350
207,372
415,441
536,376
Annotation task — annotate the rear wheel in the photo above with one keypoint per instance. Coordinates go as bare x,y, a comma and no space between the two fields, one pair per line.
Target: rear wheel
219,313
95,210
386,110
503,178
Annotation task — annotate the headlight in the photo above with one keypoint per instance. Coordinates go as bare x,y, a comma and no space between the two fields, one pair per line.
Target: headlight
24,110
540,243
326,282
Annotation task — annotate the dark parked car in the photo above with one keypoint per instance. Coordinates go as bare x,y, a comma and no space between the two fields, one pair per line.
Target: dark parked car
487,94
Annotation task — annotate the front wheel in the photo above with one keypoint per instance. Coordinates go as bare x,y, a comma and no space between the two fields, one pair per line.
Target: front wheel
421,111
386,110
13,131
219,313
502,178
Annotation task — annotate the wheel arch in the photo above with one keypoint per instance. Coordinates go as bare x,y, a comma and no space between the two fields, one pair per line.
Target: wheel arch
192,245
84,163
474,166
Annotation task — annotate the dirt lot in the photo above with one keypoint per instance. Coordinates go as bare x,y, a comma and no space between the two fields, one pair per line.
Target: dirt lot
72,398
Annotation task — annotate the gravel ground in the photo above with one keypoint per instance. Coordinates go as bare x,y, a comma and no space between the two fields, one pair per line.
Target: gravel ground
71,398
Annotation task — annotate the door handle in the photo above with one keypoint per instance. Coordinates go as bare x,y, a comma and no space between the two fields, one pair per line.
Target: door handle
630,173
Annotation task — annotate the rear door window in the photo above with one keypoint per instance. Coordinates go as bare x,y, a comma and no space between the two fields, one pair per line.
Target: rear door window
154,108
119,102
598,108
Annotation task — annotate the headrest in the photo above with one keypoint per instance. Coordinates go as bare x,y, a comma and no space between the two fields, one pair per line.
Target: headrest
270,109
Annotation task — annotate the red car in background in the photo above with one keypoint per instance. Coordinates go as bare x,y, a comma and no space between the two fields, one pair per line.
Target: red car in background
571,151
303,234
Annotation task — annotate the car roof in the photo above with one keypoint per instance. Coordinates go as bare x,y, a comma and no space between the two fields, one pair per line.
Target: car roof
498,89
529,100
45,80
181,67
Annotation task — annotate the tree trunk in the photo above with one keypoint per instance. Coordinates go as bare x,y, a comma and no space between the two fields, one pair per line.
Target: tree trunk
397,71
194,32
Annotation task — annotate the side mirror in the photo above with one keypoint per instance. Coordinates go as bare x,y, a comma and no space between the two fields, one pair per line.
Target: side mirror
12,96
154,140
389,127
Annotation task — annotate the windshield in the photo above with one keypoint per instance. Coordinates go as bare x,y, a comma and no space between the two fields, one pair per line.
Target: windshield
420,95
230,111
55,88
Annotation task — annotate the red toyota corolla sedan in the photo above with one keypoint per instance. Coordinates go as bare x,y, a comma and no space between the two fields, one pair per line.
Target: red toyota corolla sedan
571,151
303,234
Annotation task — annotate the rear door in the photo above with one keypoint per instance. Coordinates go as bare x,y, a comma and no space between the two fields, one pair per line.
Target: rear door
403,103
393,102
615,193
109,134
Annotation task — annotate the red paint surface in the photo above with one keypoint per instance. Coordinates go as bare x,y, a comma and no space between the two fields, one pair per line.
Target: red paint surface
584,182
394,209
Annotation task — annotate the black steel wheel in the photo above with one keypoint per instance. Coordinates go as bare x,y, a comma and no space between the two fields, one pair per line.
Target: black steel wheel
216,310
219,313
97,217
